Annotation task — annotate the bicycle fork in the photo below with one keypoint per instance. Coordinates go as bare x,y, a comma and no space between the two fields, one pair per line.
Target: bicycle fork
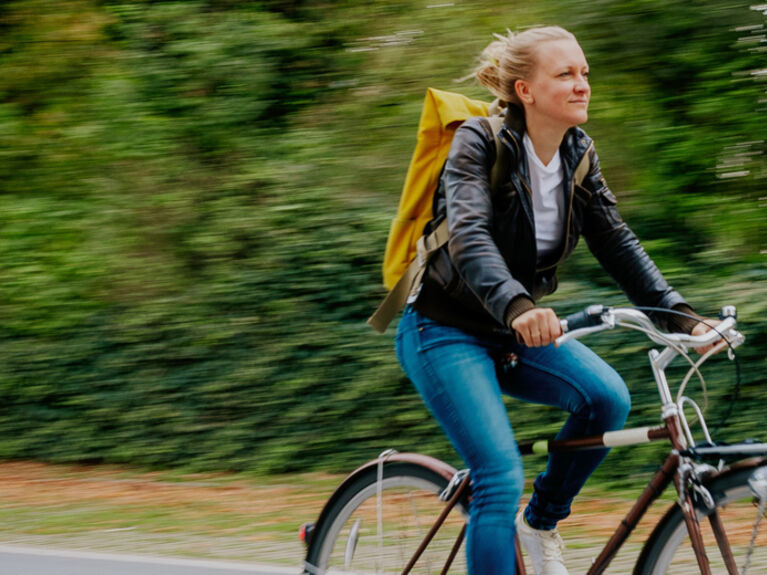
685,477
687,482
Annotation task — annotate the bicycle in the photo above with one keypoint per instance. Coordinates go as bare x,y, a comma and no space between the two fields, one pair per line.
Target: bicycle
404,510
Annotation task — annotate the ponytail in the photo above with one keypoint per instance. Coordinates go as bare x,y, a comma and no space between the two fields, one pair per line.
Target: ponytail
513,57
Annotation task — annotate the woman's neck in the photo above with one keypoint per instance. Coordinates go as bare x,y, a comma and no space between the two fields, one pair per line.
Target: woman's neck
546,138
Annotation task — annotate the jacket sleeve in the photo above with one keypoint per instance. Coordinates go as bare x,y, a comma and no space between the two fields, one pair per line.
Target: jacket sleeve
618,250
472,249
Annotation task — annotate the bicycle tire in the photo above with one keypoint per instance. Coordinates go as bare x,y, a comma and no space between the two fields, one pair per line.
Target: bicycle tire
410,506
668,550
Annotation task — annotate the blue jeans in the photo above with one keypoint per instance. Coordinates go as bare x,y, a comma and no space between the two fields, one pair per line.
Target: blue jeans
460,377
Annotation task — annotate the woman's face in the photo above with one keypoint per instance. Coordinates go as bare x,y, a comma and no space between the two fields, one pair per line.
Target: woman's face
559,89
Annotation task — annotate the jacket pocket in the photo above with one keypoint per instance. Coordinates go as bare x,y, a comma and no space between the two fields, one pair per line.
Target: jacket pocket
545,285
457,286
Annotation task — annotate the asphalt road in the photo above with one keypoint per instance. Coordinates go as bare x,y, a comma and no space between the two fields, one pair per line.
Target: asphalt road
18,560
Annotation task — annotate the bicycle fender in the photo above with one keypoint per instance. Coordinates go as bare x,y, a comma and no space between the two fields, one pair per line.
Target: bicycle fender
435,465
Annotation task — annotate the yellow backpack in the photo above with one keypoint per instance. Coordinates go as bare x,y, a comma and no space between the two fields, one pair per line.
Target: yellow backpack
441,115
407,249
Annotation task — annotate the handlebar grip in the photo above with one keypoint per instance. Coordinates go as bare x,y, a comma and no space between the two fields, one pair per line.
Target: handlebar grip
589,317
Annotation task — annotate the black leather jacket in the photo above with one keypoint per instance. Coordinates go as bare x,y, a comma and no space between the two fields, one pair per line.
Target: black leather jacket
491,256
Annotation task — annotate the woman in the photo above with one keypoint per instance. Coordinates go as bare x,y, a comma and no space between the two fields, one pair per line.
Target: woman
475,330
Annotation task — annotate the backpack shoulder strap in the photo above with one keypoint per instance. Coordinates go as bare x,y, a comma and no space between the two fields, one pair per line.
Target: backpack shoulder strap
500,167
583,168
396,299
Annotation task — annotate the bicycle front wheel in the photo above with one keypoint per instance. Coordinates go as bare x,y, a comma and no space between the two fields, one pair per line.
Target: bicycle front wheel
669,550
372,530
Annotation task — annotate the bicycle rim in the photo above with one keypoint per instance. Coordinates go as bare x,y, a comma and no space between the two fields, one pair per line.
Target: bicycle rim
350,540
672,553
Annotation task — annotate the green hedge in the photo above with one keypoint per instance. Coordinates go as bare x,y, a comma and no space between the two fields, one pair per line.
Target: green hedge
195,199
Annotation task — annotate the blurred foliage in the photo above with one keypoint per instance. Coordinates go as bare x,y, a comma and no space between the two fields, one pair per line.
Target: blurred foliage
196,195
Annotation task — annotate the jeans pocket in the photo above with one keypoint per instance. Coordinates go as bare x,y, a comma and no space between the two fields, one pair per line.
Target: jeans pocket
432,334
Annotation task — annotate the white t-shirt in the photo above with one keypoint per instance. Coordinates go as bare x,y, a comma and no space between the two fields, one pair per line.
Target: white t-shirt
548,200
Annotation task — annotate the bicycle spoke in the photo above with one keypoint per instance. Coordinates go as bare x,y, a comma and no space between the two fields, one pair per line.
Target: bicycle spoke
754,535
384,530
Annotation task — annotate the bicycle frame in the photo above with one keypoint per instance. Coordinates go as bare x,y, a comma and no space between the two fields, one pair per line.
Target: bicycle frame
677,468
668,473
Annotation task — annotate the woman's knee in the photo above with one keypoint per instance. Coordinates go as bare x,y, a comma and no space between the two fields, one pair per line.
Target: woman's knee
609,401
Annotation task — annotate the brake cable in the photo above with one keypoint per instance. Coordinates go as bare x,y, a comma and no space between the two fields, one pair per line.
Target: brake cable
732,355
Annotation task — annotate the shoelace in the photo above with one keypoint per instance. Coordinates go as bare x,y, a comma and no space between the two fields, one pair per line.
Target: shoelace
552,546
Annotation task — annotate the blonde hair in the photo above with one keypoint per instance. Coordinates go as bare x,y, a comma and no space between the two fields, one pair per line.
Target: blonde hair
513,57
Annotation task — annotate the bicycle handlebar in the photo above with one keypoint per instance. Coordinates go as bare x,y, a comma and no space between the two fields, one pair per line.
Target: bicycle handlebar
598,318
589,317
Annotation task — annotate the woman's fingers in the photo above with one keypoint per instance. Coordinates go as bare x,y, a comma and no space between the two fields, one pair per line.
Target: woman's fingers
535,331
537,327
555,326
703,328
536,335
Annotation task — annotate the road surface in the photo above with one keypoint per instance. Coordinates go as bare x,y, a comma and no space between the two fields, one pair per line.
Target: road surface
20,560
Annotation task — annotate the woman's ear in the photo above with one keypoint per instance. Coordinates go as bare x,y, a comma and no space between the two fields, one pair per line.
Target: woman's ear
522,89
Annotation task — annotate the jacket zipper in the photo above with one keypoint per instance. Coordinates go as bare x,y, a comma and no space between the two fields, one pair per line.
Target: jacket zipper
569,209
569,215
529,195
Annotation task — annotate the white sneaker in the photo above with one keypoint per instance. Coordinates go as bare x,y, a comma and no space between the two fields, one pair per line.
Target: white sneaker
544,548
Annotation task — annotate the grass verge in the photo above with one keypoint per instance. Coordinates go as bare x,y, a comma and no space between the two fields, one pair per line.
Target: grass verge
213,516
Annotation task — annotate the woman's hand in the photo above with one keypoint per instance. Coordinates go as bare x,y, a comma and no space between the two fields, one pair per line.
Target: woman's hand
537,327
703,328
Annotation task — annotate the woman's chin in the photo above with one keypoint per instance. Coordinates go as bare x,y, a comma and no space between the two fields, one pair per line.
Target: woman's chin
581,119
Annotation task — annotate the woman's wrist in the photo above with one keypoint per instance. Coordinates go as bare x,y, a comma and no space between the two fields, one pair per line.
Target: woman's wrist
683,323
516,308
